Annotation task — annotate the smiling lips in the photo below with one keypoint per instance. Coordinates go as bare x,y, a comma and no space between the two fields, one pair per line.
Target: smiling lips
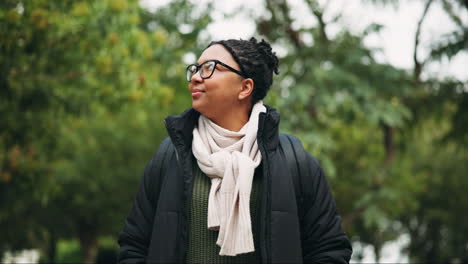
197,93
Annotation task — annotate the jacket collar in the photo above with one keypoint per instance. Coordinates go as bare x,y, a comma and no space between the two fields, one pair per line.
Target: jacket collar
180,128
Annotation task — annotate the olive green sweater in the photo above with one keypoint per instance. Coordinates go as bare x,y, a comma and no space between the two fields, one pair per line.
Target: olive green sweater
202,242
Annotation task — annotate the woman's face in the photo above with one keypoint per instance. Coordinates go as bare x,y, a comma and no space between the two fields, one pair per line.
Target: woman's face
218,94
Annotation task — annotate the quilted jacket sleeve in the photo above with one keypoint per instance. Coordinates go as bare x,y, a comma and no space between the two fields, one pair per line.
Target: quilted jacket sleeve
135,238
324,241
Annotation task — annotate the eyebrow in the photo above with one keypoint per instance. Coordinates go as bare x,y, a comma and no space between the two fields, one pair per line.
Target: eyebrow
198,62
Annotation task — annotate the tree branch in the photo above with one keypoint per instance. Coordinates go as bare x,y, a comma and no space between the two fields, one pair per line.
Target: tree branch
418,65
292,34
449,9
280,17
318,13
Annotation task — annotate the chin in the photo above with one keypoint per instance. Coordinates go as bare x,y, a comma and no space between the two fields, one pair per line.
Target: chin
204,110
199,107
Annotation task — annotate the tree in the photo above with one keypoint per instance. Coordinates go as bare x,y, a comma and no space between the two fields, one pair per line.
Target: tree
355,115
87,85
438,134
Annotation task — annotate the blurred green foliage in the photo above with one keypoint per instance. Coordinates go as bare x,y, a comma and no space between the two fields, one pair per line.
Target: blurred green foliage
68,251
85,85
387,138
84,88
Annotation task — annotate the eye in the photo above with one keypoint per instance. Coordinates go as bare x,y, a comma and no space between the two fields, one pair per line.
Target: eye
192,68
208,66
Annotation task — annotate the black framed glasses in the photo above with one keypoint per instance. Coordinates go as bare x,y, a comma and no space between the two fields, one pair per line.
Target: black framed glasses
207,68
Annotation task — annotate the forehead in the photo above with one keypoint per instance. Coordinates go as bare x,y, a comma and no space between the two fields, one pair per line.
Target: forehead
217,52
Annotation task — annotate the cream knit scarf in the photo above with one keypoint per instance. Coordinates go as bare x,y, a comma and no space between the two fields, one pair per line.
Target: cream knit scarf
229,158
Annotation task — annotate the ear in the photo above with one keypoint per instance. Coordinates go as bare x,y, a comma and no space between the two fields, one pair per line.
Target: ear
247,87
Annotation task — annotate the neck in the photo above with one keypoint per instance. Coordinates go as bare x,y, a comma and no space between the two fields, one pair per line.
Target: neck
233,120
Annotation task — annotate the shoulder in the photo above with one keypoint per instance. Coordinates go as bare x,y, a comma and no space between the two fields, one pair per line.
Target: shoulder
163,152
164,147
302,156
304,167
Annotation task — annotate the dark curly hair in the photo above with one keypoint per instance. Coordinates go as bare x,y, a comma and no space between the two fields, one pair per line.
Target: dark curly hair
256,60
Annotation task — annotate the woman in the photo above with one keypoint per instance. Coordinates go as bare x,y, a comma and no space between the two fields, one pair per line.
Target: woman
219,190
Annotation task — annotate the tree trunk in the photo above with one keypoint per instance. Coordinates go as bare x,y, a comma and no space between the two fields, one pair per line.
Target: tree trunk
52,248
389,144
88,243
434,237
377,251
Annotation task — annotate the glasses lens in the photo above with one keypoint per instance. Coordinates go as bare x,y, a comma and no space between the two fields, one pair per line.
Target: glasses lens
207,69
191,70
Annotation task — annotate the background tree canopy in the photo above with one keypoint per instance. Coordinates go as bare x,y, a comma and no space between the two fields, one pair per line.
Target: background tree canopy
85,85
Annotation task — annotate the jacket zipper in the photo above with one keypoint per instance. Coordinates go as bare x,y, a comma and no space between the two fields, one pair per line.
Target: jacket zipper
265,231
187,204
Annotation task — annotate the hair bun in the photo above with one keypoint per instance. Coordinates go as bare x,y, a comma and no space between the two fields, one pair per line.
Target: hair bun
270,57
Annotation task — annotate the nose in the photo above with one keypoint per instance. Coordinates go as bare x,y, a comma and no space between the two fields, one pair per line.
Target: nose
196,77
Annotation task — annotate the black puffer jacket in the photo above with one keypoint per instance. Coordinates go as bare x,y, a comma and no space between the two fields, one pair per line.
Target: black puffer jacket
156,230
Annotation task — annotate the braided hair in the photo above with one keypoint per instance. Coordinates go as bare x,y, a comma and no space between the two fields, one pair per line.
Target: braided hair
256,60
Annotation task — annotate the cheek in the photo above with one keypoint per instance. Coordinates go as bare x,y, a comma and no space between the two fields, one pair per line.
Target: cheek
227,94
227,91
